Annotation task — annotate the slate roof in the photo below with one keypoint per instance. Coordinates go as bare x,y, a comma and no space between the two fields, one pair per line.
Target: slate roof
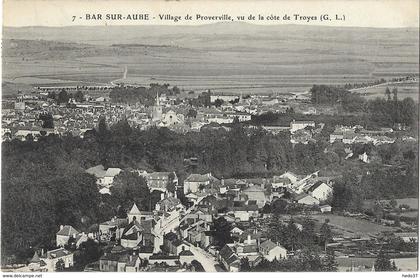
67,230
268,244
186,253
57,253
98,171
316,185
112,172
197,178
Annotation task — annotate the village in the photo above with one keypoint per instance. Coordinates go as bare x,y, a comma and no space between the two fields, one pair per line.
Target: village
182,235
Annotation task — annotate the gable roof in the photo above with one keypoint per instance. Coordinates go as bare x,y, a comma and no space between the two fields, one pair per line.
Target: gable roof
57,253
171,236
186,253
134,209
67,230
112,172
98,171
198,178
316,185
35,258
268,244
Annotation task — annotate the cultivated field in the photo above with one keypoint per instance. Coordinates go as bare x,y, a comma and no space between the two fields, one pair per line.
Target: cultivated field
353,225
230,58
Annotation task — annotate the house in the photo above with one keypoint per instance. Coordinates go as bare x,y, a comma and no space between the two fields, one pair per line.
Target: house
138,215
168,204
229,259
320,191
177,246
256,193
244,213
194,182
186,257
160,180
292,177
279,181
132,235
36,264
64,234
297,125
168,259
109,262
325,208
272,251
306,199
110,173
103,177
144,252
52,257
128,263
113,227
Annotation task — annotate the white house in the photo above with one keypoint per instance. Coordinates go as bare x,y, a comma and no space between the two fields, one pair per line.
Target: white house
64,234
272,251
320,191
306,199
297,125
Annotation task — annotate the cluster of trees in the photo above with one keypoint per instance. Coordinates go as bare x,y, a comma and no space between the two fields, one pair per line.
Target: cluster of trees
292,238
47,120
63,96
43,188
143,95
382,112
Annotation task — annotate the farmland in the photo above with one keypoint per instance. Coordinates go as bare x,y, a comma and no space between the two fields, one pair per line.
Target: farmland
352,225
230,58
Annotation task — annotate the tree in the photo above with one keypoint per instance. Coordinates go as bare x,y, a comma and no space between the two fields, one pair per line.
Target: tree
218,102
59,265
325,233
388,94
78,96
63,97
244,266
129,188
222,231
330,263
383,262
47,120
171,186
395,94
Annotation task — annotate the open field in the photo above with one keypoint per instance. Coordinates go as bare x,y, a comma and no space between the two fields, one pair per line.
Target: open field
353,225
405,89
229,58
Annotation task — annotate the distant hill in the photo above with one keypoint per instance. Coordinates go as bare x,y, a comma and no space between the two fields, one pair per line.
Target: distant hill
223,57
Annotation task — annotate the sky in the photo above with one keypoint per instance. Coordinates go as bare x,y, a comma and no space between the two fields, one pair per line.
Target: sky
357,13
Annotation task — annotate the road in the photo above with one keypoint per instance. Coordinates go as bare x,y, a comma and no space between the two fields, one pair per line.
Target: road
207,260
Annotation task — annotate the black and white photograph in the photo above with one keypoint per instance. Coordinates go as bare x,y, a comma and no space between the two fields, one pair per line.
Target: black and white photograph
209,136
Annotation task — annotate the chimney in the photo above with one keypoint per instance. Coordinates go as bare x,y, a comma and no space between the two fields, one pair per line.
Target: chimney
61,227
42,252
223,182
249,239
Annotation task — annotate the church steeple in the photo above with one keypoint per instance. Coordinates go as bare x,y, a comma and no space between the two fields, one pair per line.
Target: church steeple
157,99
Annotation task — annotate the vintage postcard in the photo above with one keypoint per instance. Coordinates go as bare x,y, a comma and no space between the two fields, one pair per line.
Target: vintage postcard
209,136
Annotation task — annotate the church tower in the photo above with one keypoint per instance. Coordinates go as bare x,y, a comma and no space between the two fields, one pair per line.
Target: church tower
157,110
